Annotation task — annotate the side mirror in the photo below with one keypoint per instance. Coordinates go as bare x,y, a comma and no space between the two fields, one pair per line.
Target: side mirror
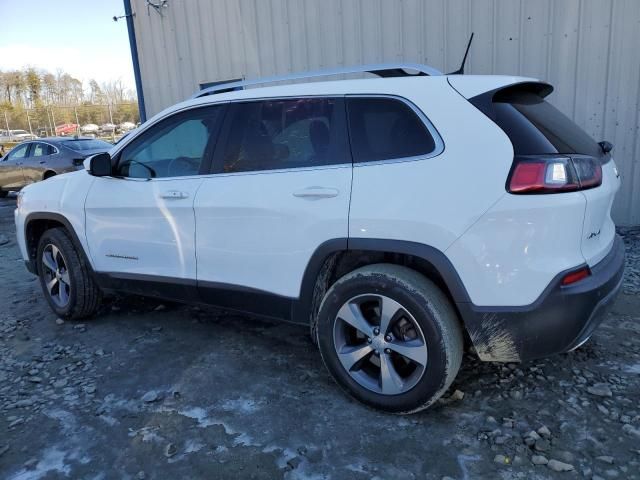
99,165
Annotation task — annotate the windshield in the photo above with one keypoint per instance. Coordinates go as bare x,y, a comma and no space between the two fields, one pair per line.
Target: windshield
90,144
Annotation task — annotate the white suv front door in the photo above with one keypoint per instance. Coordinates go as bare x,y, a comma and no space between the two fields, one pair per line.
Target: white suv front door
140,223
281,187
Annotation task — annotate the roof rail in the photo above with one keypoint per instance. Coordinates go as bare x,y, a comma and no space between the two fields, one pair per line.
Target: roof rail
379,69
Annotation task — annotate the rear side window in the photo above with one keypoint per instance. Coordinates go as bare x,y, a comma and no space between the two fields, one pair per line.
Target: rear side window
41,149
535,127
386,128
280,134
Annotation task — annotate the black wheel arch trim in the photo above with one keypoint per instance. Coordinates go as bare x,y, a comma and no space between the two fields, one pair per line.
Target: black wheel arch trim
302,306
54,217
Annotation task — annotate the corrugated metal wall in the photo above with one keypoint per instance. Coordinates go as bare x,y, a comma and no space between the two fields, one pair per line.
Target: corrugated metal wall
588,49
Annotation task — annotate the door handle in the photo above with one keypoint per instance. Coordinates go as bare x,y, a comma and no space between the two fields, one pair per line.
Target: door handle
316,192
174,195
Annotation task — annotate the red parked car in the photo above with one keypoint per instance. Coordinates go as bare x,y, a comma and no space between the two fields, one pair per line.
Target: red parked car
66,129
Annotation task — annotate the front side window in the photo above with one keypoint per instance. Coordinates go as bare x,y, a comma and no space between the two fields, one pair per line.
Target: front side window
385,129
280,134
19,152
174,147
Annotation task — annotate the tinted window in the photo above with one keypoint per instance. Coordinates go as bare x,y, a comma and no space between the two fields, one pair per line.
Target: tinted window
174,147
276,134
537,127
386,128
82,145
19,152
41,149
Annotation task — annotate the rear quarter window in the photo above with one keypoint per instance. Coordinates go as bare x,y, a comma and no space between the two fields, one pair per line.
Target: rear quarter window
385,129
535,127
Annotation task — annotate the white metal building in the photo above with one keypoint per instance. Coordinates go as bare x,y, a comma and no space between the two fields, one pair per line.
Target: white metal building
588,49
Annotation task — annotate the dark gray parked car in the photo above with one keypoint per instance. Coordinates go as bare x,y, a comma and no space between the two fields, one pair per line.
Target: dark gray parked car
40,159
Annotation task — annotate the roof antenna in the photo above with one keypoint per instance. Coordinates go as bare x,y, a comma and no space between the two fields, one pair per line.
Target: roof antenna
460,71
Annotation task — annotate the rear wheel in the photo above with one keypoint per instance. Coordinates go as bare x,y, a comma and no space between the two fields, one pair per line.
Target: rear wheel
3,193
390,338
64,277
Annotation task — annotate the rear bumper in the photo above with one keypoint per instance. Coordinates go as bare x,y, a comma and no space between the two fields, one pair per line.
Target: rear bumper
561,319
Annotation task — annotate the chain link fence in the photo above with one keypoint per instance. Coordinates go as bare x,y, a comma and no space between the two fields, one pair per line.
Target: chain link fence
106,121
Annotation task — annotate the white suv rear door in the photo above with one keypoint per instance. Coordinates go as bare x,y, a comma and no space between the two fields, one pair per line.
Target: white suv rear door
140,223
281,187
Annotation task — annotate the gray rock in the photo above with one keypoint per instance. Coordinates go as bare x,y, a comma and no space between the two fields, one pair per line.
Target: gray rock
4,449
170,450
544,431
600,390
60,383
150,397
629,430
558,466
532,434
16,422
59,321
294,462
564,456
606,459
539,460
541,445
3,239
457,395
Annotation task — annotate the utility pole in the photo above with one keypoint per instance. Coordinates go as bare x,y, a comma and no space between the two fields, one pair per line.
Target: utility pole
6,121
75,110
46,110
113,130
54,122
29,122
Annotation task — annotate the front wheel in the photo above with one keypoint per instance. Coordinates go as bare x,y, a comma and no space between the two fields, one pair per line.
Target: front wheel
65,278
390,338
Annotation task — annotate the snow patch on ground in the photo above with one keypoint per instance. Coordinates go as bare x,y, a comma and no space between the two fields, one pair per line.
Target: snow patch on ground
53,460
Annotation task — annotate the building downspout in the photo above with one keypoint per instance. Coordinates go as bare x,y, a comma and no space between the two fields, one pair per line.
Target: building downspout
134,57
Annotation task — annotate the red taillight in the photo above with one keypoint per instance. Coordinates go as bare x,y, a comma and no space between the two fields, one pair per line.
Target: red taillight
576,276
554,174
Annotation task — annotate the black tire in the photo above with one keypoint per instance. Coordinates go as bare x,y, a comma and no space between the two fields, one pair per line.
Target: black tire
48,174
429,308
3,193
84,296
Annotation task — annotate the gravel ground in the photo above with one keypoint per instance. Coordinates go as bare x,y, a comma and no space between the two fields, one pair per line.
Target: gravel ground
147,390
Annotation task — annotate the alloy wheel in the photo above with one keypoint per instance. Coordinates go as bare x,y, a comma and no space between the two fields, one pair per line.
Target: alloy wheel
380,344
56,275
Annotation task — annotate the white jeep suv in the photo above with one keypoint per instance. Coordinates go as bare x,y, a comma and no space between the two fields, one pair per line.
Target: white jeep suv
399,216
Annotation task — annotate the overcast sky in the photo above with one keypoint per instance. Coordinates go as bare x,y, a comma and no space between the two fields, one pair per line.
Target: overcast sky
78,36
